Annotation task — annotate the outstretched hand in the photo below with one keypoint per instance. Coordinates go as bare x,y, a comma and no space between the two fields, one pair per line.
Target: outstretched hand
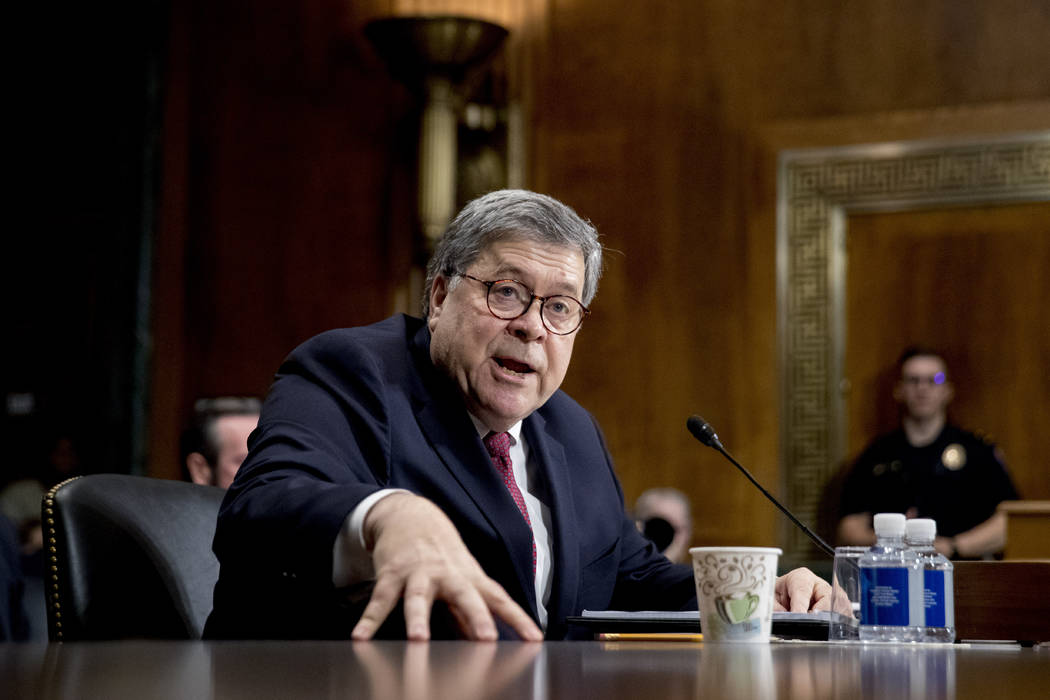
419,556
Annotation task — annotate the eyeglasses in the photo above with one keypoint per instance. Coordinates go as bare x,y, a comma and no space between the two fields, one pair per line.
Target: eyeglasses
510,299
918,380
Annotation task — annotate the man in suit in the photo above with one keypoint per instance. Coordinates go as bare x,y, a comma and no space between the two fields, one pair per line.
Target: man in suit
215,444
415,461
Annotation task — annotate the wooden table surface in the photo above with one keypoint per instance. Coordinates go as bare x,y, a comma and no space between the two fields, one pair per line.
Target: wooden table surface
508,670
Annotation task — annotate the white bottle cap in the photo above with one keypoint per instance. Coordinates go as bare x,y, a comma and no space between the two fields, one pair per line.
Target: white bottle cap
921,530
889,524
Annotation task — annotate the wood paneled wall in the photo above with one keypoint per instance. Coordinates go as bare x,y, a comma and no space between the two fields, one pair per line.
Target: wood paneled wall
648,124
289,193
970,282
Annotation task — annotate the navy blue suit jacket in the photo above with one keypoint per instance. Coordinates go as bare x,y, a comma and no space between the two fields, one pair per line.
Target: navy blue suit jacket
355,410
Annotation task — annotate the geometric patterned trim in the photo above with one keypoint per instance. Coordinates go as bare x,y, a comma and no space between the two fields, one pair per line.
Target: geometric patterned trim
816,190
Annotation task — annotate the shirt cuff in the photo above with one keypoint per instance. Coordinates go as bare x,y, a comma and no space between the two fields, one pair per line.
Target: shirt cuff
351,560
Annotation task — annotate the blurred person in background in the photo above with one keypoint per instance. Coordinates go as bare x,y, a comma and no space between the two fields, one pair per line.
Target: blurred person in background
56,458
929,468
665,517
14,624
216,442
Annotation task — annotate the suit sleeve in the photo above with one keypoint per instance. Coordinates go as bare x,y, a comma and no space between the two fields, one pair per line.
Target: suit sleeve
322,445
645,578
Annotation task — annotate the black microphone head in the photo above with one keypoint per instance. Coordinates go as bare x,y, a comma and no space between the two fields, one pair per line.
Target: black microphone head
702,431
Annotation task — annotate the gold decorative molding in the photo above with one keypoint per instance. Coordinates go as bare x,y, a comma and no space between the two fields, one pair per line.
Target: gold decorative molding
817,189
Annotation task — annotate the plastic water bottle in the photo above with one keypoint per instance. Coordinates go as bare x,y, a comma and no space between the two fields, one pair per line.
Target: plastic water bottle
938,584
891,608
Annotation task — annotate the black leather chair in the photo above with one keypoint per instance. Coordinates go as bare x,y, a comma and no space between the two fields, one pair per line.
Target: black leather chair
129,557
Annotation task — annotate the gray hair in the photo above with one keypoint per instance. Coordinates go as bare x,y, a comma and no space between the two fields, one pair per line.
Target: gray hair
513,214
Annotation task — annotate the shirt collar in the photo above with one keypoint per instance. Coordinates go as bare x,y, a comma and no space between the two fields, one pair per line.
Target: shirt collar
483,430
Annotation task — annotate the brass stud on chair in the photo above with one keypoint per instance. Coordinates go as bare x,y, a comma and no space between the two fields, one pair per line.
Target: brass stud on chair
52,534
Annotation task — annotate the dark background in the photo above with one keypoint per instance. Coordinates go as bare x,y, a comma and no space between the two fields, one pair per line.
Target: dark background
86,139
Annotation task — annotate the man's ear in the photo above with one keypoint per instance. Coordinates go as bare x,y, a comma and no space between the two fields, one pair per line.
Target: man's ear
199,469
898,395
438,294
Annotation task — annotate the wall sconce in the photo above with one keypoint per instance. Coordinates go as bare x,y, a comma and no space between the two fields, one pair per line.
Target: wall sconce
434,55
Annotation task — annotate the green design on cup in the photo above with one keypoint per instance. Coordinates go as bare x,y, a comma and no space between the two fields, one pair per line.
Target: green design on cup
737,607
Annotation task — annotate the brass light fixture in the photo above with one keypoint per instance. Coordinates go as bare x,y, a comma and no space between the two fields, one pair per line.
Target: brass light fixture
434,55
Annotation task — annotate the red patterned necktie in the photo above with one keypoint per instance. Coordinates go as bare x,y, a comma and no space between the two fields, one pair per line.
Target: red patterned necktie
498,445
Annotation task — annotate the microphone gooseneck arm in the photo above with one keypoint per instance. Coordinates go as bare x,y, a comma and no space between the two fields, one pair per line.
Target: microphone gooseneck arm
703,432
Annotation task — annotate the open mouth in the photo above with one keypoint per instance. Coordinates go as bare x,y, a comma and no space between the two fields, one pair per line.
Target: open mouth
513,365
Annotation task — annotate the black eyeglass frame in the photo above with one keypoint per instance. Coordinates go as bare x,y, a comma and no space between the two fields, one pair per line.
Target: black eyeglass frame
532,297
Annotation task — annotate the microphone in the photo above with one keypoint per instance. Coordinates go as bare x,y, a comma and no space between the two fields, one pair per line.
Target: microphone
703,432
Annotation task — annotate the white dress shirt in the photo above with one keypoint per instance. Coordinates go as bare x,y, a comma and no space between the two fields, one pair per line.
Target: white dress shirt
352,562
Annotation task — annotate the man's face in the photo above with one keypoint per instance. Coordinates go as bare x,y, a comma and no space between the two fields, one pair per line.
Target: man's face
232,434
923,389
504,369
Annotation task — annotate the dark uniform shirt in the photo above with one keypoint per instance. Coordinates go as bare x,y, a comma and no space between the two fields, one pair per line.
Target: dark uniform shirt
958,480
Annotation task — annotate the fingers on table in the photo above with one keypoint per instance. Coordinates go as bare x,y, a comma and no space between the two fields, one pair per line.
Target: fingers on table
499,602
472,603
806,592
821,598
468,606
385,595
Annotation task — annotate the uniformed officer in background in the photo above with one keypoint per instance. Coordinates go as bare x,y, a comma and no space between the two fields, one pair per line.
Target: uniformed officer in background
929,468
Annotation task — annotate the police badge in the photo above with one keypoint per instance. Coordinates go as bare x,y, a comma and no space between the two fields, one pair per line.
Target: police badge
954,456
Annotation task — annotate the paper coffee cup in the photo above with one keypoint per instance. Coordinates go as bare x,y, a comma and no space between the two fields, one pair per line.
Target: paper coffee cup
735,589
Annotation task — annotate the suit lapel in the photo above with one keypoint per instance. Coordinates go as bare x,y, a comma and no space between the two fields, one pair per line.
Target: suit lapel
550,457
446,425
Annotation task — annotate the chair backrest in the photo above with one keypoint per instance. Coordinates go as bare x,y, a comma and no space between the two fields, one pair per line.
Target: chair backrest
129,557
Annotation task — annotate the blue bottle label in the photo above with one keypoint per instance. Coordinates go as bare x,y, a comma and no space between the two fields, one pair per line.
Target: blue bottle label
884,596
933,598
